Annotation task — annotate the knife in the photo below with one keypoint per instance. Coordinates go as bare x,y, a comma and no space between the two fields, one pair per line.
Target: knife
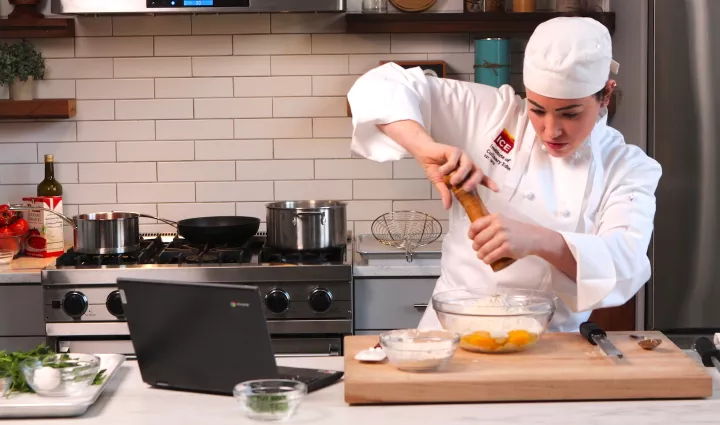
597,336
707,351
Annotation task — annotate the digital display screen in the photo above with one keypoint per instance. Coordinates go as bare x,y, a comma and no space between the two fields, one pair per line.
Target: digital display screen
198,2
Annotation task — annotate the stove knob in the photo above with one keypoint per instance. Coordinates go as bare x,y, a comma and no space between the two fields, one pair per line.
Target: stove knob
320,300
114,304
277,301
75,304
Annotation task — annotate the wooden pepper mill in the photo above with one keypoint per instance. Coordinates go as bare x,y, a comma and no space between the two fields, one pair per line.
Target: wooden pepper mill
25,9
475,209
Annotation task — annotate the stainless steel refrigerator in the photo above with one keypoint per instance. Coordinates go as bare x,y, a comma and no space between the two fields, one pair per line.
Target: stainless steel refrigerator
683,297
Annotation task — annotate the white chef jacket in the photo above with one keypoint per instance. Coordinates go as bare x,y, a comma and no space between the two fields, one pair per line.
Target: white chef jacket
600,199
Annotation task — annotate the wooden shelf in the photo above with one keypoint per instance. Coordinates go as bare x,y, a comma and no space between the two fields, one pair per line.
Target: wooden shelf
38,108
492,24
37,28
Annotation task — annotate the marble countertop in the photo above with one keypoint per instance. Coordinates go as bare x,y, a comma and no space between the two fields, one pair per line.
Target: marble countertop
127,400
24,270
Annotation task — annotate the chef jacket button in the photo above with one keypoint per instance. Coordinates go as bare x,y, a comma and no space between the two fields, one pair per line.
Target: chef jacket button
529,196
566,213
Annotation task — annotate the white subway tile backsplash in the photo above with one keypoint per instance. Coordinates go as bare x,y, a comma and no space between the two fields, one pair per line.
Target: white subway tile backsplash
113,47
367,210
115,130
273,128
89,193
408,169
434,208
193,87
152,67
352,169
154,109
309,65
309,107
234,191
151,25
360,64
55,89
231,66
18,153
78,68
312,148
131,193
231,23
275,170
155,151
429,43
149,209
116,89
78,152
208,150
332,127
313,189
38,132
55,47
14,193
96,26
350,43
273,86
457,63
332,85
196,171
252,209
35,173
234,108
177,212
391,189
194,45
94,110
297,23
272,44
118,172
194,129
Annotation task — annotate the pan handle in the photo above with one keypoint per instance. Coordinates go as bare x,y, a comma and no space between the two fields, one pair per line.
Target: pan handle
170,222
69,220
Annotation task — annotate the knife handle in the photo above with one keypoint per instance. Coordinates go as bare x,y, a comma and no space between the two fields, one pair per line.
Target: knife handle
706,349
475,209
589,329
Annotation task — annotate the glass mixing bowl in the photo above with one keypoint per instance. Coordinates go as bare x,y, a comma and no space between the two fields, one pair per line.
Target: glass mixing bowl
60,375
502,321
418,350
270,399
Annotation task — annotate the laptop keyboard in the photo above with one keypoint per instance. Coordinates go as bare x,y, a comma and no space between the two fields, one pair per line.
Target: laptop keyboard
304,379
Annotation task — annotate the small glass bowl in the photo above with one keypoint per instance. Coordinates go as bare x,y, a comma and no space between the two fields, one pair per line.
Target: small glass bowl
270,399
6,382
60,375
417,350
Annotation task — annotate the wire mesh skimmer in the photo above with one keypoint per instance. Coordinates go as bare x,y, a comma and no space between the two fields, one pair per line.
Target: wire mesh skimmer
406,230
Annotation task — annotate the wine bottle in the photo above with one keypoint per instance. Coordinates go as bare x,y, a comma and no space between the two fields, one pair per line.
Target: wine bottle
49,186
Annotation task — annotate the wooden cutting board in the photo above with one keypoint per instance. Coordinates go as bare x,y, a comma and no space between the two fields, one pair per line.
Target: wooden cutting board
561,366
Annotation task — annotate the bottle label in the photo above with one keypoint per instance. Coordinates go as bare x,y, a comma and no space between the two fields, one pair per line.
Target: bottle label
45,237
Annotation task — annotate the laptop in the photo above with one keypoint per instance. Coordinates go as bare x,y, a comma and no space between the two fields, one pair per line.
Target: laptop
204,337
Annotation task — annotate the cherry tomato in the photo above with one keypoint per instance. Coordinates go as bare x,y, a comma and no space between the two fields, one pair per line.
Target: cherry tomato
6,217
7,243
20,227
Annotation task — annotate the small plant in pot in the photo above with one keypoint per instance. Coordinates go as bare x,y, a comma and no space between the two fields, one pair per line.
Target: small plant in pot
20,65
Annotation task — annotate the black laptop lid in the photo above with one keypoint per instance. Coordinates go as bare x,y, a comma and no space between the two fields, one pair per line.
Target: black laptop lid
204,337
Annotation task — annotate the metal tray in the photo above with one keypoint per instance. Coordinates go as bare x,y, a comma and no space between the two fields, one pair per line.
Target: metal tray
34,406
371,249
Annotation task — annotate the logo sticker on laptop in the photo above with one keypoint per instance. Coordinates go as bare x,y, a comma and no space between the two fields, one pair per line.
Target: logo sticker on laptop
235,304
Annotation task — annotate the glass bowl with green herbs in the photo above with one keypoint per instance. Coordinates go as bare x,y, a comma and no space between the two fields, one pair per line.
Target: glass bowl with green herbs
270,399
60,375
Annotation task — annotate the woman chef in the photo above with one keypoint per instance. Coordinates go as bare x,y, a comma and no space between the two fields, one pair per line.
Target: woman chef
571,201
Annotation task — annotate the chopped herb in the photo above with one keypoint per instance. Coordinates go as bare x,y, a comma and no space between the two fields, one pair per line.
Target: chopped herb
268,403
11,362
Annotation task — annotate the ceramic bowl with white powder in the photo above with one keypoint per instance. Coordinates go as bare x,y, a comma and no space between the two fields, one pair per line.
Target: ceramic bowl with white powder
503,321
416,350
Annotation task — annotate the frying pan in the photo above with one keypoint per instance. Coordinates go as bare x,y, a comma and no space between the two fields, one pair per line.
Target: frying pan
215,230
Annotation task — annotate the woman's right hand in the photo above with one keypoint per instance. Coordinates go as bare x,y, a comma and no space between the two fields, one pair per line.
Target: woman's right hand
439,160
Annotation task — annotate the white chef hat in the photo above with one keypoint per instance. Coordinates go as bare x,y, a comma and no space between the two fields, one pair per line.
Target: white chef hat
568,58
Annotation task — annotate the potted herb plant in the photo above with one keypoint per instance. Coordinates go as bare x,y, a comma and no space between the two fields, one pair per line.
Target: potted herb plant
20,65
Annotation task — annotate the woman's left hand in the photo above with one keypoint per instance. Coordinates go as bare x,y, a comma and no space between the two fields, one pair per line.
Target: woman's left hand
495,237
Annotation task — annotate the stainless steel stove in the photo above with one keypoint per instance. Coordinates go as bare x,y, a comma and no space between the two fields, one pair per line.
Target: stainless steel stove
308,295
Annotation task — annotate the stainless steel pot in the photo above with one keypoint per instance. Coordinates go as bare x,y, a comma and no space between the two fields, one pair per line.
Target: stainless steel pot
306,225
101,233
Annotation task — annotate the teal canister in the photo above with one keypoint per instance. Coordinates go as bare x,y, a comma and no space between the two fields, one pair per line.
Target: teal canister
492,61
